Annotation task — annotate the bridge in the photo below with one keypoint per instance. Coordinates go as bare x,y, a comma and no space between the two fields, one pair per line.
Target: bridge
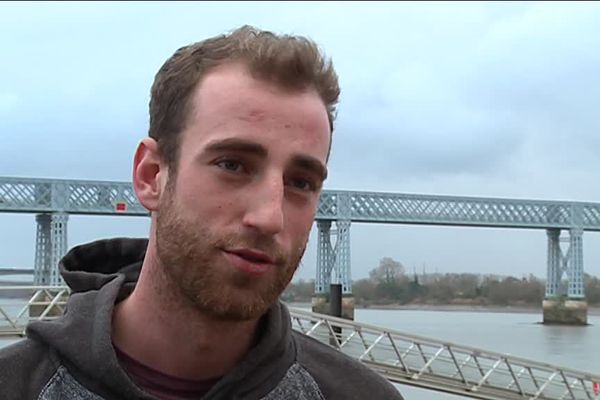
54,200
16,271
400,357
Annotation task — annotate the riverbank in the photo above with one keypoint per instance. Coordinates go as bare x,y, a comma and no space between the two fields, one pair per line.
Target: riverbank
594,310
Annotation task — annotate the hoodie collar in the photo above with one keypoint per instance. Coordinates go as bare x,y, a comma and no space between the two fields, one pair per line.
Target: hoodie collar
104,272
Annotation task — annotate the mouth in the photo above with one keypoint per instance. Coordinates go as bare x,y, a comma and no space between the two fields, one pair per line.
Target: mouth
249,260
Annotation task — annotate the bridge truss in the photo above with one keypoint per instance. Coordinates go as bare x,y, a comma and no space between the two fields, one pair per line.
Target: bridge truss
54,200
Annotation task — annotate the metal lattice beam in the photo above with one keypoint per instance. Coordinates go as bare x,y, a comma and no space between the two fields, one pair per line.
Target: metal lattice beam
29,195
461,211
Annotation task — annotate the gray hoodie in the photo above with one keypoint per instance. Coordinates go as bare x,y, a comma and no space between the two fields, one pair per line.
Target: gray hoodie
73,358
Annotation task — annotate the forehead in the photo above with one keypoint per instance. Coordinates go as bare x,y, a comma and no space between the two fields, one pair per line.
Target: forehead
229,100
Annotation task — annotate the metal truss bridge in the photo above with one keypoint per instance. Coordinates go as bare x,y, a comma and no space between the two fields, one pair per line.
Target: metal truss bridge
401,358
16,271
54,200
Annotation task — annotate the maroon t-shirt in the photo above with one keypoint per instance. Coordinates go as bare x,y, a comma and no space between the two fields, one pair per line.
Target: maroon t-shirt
163,386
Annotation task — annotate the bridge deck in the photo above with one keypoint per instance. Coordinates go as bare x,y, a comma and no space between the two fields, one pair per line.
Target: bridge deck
29,195
400,357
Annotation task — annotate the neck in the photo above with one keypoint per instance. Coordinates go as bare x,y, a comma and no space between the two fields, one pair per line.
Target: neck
165,332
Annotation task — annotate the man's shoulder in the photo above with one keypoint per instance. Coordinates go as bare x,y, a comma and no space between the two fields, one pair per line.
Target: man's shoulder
340,376
21,352
25,367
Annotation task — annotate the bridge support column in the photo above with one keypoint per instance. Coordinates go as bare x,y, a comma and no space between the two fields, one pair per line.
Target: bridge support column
568,308
333,266
51,246
554,271
324,253
342,257
575,271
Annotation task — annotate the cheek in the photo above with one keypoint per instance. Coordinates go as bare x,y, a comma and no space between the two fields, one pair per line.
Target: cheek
196,191
300,224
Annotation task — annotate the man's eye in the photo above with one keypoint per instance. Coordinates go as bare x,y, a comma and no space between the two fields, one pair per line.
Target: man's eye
303,184
231,165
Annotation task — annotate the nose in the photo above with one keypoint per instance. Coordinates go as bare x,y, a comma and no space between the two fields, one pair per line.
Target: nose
264,210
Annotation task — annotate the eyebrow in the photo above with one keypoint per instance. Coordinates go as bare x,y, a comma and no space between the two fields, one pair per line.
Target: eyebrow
240,145
235,144
311,164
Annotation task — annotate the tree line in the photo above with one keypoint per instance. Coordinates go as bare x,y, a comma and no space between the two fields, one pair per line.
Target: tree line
389,284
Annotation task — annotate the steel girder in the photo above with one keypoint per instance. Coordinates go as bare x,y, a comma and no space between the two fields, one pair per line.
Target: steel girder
29,195
461,211
69,196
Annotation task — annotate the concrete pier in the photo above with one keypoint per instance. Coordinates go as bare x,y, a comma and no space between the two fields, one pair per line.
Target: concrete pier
564,311
320,304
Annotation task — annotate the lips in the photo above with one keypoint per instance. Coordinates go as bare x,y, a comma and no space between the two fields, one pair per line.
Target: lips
249,260
253,256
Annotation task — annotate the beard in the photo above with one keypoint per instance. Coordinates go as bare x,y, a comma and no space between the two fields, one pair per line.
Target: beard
191,260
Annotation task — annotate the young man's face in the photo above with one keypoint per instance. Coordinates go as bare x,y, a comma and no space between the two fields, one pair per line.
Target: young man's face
233,224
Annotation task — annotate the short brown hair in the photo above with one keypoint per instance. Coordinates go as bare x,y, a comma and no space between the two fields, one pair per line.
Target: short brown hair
292,62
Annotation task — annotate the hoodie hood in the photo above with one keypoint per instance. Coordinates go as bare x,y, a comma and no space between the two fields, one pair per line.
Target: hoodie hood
104,272
93,265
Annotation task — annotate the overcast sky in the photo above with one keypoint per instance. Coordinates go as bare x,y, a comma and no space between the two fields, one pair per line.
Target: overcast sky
474,99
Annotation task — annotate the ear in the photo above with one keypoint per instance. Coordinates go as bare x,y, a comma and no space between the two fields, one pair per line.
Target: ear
149,172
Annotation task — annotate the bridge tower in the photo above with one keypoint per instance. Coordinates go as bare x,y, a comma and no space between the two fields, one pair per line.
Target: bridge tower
333,266
565,305
50,247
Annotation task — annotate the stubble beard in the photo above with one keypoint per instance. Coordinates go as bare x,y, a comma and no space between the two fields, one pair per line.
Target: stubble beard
190,259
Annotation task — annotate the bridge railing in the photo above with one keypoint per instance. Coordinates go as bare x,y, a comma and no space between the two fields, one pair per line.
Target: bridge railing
444,366
20,305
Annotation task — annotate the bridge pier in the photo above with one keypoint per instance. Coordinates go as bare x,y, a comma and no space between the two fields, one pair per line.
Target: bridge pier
560,307
562,311
333,261
321,304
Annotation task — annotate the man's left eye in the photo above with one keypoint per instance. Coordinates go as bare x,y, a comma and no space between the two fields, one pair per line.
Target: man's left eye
230,165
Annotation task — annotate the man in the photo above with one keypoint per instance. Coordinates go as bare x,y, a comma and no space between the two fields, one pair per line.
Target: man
240,133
